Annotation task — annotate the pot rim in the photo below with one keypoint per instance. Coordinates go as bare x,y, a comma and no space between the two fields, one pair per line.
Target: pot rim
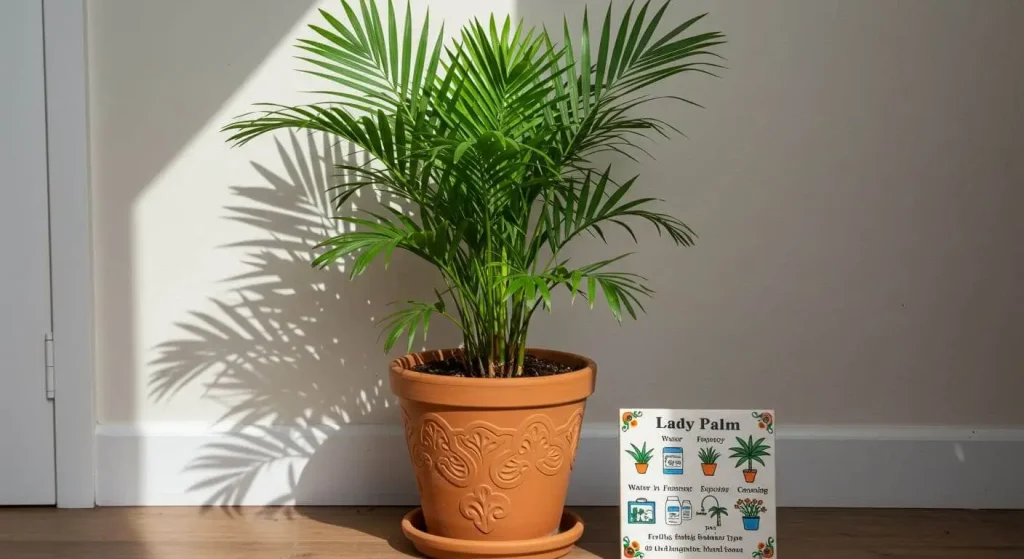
476,392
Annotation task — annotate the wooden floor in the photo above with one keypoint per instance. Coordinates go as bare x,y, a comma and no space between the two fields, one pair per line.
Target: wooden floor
323,532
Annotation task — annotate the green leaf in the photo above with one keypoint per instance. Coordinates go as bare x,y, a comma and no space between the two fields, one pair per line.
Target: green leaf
649,32
585,69
545,293
406,48
574,282
611,296
637,26
406,322
349,36
461,149
602,53
392,49
620,41
376,34
570,73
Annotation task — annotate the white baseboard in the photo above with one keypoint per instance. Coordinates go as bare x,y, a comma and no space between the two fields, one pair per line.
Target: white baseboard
878,466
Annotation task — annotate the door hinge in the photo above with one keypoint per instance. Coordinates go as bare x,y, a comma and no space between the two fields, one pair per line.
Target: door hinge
49,366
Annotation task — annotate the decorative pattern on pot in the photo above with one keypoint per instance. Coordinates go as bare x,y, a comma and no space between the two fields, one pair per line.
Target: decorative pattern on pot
508,455
484,507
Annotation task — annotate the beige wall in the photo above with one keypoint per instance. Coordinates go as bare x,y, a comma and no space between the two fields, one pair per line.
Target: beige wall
854,180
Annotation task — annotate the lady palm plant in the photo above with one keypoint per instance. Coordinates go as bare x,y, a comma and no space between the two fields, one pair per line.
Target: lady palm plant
490,137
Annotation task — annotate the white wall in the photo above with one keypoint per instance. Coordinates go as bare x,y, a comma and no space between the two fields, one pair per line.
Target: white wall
854,181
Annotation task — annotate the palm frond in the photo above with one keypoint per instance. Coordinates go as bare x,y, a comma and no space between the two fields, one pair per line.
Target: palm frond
489,139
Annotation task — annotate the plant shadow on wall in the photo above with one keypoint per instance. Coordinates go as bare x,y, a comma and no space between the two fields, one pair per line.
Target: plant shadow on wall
290,354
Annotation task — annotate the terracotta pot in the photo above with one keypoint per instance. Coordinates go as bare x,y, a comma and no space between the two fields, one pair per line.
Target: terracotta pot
709,469
749,475
492,457
641,468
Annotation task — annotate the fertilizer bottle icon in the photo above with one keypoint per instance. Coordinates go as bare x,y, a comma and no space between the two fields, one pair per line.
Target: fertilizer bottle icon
673,511
672,460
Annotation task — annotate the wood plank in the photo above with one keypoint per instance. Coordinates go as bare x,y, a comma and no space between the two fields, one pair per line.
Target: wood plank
350,532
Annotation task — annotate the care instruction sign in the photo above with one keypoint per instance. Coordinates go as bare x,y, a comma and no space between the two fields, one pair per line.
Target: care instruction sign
697,483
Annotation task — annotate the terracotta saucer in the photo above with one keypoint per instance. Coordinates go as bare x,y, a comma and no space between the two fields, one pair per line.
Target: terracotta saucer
548,547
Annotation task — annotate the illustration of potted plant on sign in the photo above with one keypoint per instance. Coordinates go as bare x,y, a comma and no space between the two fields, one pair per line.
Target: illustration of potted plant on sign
750,451
631,549
629,419
765,550
642,456
708,460
751,510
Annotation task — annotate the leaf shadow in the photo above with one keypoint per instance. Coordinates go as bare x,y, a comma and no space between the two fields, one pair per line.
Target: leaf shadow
289,351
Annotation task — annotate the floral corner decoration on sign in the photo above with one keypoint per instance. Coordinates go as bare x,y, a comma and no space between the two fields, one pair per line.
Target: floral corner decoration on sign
765,550
764,421
629,419
631,549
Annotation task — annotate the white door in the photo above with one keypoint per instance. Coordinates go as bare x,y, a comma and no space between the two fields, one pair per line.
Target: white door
27,467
